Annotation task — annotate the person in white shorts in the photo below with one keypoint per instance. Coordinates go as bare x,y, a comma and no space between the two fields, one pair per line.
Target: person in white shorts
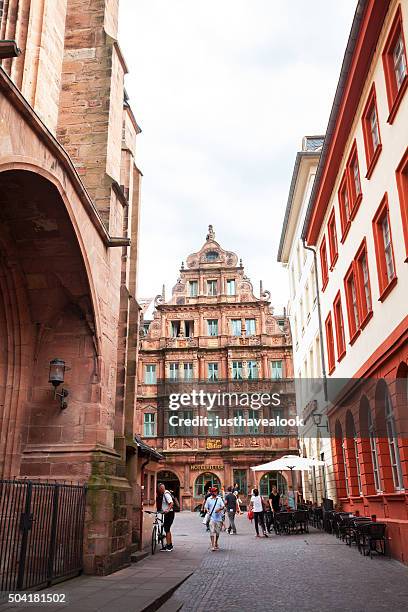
215,507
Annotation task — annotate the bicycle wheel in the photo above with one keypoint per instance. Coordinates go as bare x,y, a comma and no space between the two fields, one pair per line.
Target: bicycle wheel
161,536
154,539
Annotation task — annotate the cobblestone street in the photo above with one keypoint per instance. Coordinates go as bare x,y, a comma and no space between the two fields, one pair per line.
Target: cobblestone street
315,571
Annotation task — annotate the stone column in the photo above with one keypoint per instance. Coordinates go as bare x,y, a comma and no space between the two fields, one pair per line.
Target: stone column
265,373
182,332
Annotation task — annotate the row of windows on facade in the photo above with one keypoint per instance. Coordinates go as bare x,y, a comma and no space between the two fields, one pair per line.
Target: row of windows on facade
212,287
357,287
350,192
186,328
350,457
184,371
357,280
150,423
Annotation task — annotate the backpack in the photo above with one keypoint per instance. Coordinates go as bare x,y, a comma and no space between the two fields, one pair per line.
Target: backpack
176,504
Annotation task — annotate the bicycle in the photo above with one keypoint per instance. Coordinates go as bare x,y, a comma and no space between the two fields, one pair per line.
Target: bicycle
158,535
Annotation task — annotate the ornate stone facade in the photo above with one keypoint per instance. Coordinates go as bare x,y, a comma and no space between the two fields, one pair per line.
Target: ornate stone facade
213,331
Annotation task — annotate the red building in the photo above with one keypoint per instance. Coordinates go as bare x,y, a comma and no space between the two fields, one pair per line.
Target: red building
69,221
357,221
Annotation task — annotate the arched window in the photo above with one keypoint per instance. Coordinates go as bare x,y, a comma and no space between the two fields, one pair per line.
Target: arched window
204,482
392,441
344,489
353,454
343,449
271,479
374,450
360,488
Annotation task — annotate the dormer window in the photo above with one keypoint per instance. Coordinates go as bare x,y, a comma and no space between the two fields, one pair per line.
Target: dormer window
211,255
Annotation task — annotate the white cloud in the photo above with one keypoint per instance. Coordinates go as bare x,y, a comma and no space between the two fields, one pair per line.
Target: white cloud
224,91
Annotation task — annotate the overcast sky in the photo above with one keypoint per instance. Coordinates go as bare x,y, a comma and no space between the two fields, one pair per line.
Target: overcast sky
224,91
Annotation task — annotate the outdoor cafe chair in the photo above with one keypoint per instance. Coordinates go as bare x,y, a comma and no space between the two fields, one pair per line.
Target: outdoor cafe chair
352,531
317,518
336,522
344,526
372,538
283,522
301,521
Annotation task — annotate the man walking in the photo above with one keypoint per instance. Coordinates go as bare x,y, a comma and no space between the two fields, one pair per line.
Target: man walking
232,506
214,506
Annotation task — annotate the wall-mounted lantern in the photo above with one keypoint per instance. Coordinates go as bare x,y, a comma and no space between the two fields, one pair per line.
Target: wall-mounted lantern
56,378
317,420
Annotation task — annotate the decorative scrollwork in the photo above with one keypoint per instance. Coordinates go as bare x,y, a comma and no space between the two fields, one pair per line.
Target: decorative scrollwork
158,300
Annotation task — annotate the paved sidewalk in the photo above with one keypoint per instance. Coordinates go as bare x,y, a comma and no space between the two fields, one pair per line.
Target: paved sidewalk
306,573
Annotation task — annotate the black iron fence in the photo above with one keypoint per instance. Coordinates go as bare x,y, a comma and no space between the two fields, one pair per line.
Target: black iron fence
41,533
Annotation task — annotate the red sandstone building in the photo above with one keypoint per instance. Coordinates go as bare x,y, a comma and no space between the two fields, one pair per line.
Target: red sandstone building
213,333
69,219
358,222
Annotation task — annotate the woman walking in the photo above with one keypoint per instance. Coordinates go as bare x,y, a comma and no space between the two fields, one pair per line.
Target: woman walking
257,506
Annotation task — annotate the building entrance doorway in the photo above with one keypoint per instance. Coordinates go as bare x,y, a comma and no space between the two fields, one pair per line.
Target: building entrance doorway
171,482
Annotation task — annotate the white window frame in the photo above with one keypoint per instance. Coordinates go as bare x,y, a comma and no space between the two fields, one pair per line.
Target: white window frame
191,293
212,287
212,327
273,368
149,424
212,369
231,286
150,374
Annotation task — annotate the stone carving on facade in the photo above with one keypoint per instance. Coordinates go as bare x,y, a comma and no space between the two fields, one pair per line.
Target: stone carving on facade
187,443
158,300
173,443
211,233
179,286
254,442
238,443
266,295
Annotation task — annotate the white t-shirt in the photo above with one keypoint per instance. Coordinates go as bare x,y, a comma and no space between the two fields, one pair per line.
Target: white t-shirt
256,502
167,500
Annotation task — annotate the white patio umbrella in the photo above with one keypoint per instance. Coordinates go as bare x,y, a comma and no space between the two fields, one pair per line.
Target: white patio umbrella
289,462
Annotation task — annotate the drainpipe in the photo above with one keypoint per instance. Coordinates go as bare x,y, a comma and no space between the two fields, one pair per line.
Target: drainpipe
141,502
308,248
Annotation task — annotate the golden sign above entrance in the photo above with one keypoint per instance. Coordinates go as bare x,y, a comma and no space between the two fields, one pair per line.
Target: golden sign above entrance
206,468
213,443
